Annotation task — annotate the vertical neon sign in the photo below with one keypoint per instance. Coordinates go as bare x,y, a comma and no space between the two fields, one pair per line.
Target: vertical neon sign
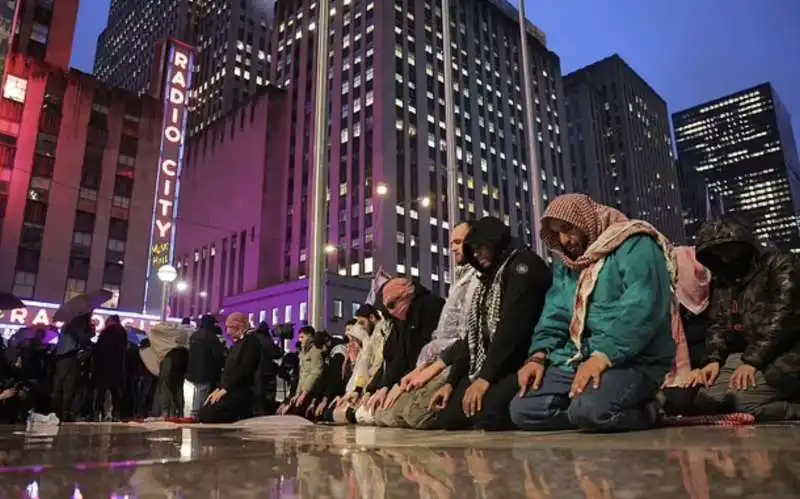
180,60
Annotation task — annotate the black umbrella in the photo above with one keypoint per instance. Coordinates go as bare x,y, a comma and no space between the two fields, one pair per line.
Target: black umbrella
81,305
10,302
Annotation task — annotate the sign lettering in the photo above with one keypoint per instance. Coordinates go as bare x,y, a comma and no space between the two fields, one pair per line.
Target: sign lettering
177,83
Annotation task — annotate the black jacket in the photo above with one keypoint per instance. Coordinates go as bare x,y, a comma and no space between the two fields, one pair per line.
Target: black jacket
206,357
241,366
109,356
526,280
270,352
759,314
404,343
333,381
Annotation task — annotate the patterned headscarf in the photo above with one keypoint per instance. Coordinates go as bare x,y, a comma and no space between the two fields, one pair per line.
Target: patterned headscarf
398,293
606,229
582,212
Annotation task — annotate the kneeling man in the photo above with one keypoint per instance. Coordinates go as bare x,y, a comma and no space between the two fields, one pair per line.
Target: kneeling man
604,343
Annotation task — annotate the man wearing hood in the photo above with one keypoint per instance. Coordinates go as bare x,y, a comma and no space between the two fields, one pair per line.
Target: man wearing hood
504,309
604,344
752,351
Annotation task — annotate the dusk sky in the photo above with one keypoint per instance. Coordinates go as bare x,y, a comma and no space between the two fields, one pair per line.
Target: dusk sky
690,51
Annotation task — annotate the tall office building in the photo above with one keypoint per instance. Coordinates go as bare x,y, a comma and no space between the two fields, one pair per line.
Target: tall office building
77,171
744,147
231,39
620,144
44,30
698,201
126,48
387,123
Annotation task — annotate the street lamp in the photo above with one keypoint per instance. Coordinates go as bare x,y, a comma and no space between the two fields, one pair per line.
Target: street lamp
167,274
382,190
181,286
330,249
203,294
425,202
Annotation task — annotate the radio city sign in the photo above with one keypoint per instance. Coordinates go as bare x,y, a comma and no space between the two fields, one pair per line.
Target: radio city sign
177,83
38,313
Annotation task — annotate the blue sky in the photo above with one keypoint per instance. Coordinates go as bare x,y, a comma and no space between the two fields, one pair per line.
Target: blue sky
690,51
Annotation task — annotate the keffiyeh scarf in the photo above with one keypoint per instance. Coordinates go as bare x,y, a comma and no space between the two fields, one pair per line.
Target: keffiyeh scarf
453,318
606,229
484,310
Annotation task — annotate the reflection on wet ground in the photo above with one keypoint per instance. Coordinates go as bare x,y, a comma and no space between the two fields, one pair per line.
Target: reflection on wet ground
282,459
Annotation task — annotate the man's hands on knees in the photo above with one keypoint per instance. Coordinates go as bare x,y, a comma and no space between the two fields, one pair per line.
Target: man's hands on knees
531,375
744,377
589,371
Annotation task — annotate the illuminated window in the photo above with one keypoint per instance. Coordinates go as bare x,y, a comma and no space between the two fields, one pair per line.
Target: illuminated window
338,309
75,287
15,89
275,316
303,311
287,314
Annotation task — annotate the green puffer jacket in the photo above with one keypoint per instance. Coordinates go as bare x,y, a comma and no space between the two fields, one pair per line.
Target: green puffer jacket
628,316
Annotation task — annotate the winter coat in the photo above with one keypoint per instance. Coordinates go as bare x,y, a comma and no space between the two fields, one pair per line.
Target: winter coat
404,343
109,355
522,288
241,365
206,357
760,314
312,363
628,317
270,352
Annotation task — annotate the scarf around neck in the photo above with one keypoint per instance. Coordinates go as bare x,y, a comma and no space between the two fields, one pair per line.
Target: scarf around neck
485,309
606,229
398,294
451,323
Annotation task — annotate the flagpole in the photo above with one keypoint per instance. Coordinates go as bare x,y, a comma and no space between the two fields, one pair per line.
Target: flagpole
319,212
534,171
450,129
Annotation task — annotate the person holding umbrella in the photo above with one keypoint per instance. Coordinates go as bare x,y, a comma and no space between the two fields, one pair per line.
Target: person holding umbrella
77,333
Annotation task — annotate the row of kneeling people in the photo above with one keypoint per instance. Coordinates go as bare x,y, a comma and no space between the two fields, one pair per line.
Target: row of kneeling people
620,330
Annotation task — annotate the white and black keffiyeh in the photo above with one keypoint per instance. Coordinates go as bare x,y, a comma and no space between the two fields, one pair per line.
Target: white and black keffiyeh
453,320
485,308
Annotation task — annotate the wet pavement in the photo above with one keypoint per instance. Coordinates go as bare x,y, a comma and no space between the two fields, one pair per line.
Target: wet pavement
286,459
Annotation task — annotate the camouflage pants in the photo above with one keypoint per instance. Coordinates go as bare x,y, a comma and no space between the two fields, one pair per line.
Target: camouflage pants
411,408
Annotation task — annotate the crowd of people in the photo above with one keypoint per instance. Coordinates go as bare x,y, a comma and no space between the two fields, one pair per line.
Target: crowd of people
176,371
621,329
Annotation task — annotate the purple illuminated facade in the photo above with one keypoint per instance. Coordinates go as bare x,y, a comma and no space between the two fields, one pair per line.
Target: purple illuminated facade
288,302
232,208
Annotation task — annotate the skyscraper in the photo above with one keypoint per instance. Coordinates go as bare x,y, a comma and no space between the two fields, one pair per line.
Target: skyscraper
231,40
743,146
126,48
77,170
698,201
387,123
620,144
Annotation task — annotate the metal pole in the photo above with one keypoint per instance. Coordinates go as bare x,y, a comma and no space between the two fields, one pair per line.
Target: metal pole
319,213
450,128
164,300
534,170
